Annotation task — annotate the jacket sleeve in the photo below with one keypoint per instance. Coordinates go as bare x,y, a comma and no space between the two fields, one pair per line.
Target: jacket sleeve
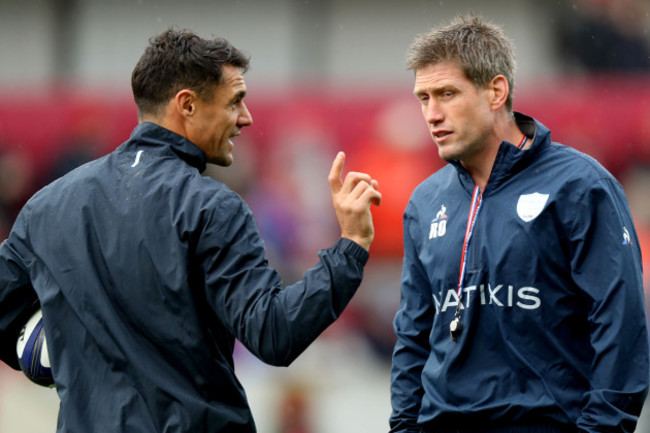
606,265
274,322
412,326
17,297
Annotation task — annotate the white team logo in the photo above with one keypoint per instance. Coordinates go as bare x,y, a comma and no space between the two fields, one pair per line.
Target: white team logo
530,206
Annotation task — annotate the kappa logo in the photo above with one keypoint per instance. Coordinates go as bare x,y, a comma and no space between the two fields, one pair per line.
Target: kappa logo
439,224
530,206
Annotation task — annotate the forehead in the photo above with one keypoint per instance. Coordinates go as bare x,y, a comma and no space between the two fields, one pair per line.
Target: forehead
440,75
233,76
232,82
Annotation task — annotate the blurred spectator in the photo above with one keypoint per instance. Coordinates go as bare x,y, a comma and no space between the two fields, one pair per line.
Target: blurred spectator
400,155
243,174
76,154
289,196
294,410
83,142
268,191
636,183
302,154
16,176
606,35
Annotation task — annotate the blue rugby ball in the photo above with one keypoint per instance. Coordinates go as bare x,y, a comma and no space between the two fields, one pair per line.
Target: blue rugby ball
31,347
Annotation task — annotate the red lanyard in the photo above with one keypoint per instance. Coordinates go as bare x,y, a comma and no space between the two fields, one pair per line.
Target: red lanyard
456,325
475,208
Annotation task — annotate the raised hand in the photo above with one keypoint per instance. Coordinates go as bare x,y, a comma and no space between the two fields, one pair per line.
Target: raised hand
351,199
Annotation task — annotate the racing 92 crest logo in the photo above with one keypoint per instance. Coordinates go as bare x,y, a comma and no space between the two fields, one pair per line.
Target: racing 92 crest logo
439,224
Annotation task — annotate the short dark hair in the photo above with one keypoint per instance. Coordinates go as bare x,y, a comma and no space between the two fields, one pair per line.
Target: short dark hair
178,59
480,48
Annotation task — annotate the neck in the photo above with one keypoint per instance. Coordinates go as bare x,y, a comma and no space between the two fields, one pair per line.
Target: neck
481,165
168,118
510,132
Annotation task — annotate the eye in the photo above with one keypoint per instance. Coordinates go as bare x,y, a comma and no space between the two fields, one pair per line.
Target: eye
424,99
447,94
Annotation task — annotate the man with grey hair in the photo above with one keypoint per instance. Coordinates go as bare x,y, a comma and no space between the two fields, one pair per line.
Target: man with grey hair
521,301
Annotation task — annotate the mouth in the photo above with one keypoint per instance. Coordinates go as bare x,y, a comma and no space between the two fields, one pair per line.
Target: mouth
231,138
440,135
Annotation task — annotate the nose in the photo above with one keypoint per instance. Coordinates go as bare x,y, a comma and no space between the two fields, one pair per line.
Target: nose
245,118
432,112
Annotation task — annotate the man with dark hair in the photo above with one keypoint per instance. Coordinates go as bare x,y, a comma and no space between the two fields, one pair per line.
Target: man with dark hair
146,271
522,298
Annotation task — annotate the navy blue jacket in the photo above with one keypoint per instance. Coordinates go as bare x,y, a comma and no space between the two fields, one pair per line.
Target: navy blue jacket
147,272
552,301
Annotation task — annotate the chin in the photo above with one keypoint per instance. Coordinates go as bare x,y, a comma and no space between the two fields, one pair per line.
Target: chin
447,156
223,162
449,153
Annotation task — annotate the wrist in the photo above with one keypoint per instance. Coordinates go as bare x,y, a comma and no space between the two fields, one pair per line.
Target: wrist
362,242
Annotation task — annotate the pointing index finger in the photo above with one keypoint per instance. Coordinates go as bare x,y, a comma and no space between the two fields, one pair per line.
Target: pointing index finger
334,177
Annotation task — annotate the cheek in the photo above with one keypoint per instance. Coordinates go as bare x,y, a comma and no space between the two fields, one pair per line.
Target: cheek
473,117
225,124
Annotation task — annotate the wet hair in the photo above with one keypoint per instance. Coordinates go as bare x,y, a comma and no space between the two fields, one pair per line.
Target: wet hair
480,48
179,59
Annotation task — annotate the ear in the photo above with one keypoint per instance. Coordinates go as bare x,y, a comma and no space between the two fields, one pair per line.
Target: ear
498,90
185,102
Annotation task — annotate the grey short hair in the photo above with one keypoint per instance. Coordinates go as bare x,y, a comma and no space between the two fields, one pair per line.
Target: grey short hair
480,48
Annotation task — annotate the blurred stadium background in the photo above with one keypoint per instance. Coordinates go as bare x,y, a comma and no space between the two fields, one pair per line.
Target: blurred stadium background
326,75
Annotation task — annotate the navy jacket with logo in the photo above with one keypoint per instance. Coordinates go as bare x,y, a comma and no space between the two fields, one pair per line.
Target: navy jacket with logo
552,301
146,273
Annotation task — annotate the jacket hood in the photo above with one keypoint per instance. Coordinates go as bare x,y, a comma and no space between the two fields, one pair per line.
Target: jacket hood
509,159
155,135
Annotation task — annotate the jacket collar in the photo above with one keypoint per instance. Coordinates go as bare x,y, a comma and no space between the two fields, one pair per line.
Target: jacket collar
510,160
156,135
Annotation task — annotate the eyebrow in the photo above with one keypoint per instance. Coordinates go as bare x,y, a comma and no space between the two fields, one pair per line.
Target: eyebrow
436,90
